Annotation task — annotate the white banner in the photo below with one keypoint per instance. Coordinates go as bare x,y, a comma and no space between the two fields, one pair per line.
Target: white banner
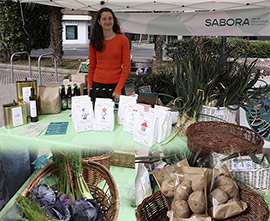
249,22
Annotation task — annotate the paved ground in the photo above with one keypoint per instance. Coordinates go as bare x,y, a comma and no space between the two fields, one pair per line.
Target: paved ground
8,90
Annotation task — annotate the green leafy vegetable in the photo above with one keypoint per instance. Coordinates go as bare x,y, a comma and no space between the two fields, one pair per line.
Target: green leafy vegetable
31,210
71,180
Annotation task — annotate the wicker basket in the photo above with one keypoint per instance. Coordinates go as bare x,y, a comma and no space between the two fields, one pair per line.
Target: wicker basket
217,114
154,208
100,157
244,169
106,195
225,138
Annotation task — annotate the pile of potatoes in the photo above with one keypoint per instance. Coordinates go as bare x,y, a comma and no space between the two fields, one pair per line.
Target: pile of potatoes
224,191
189,197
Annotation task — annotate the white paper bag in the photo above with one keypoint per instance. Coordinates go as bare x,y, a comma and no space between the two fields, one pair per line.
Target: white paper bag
104,114
82,113
131,115
145,106
142,183
169,119
144,132
162,124
123,103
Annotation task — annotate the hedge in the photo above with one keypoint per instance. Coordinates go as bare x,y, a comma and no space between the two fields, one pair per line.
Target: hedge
235,46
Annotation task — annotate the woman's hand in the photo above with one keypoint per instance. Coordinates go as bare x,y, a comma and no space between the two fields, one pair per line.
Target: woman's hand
116,97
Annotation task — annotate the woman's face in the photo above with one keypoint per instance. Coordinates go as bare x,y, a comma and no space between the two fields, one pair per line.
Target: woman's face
106,21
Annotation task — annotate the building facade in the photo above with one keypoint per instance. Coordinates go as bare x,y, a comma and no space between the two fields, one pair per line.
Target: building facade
76,27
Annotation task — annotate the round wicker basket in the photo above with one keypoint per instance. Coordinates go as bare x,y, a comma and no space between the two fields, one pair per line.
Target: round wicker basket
104,159
225,138
106,194
154,207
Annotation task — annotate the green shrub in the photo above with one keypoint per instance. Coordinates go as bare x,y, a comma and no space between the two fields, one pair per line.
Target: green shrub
259,49
160,81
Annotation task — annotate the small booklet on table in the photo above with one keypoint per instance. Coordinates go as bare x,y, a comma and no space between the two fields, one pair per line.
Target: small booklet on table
57,128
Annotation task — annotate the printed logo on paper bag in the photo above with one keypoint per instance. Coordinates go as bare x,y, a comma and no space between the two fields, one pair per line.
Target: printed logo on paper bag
144,126
103,113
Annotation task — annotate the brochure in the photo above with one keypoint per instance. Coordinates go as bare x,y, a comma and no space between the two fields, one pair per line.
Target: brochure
34,129
57,128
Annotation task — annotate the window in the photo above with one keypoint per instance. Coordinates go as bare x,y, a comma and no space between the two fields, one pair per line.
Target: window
71,32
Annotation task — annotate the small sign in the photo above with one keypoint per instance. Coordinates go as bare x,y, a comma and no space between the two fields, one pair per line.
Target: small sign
57,128
246,164
220,112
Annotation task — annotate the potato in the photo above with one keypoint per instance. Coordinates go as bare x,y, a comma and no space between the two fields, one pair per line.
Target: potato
198,184
227,185
167,187
197,202
198,216
234,200
217,197
183,190
180,209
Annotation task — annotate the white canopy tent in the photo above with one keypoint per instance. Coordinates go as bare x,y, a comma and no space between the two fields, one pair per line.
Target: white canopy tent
155,5
186,17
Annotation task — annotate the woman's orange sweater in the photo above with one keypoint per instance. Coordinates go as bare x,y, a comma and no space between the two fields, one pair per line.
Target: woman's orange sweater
112,65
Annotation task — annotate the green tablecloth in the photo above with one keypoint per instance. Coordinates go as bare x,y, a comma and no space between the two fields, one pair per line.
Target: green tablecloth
124,178
117,139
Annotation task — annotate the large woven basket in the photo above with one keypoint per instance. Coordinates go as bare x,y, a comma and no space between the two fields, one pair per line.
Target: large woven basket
103,158
106,194
217,114
220,137
244,169
154,208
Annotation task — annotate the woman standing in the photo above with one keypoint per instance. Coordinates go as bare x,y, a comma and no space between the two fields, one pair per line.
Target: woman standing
109,57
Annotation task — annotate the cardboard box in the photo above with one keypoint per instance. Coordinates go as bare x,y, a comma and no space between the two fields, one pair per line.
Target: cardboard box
80,77
149,100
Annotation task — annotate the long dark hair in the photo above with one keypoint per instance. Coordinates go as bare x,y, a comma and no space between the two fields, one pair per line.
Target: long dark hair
97,37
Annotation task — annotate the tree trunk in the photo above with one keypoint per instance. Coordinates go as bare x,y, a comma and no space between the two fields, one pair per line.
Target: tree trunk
159,50
56,44
6,51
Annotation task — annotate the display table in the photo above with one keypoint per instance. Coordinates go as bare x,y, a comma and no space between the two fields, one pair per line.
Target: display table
117,140
124,185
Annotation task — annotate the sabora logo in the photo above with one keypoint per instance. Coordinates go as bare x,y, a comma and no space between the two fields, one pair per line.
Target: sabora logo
227,22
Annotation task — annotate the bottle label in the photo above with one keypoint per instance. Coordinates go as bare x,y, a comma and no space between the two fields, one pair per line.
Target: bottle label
17,116
64,103
69,103
26,92
33,108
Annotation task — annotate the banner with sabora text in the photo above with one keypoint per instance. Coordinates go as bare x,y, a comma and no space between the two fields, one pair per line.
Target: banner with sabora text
244,22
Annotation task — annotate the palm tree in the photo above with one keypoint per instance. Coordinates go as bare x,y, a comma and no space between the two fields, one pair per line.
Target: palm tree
159,50
56,44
